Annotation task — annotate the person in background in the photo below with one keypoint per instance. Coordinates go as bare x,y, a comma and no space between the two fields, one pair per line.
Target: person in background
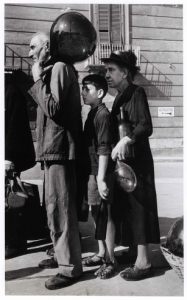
19,157
59,127
98,142
135,214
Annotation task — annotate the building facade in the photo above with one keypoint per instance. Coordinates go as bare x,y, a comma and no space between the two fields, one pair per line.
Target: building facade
154,32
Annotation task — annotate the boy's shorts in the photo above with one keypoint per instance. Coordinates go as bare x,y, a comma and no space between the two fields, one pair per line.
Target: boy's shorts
94,197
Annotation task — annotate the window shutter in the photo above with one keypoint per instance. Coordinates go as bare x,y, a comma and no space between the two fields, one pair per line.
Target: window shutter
103,16
109,20
115,24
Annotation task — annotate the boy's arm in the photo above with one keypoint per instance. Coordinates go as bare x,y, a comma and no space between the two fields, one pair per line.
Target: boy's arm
102,187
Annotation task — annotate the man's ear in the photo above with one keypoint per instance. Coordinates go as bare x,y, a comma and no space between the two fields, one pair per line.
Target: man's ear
47,46
100,93
126,72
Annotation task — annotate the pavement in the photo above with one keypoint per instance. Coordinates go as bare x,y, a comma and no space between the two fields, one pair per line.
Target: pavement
23,277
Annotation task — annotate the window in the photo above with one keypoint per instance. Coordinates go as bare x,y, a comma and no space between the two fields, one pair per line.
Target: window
109,23
112,25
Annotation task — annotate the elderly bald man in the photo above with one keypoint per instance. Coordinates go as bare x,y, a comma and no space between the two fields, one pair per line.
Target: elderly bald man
59,125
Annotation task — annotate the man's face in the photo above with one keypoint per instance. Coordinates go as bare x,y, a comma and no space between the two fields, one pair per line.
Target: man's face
114,76
89,94
38,49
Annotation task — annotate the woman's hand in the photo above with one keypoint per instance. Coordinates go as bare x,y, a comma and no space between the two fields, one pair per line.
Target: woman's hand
120,149
102,188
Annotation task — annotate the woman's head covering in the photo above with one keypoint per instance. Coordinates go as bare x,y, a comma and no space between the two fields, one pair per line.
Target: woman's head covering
126,58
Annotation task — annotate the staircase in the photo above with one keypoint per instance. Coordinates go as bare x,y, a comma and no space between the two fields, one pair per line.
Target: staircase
13,62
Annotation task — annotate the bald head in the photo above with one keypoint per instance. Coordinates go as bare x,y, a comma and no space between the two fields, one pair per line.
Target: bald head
41,36
39,47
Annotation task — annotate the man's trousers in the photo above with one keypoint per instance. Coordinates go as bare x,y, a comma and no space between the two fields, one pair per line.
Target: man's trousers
60,199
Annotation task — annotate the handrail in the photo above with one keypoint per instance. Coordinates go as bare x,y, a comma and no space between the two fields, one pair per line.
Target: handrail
16,55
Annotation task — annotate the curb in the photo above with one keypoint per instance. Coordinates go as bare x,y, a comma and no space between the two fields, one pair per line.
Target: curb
167,159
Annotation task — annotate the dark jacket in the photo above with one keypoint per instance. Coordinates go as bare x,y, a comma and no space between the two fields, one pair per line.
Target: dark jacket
135,214
19,146
136,111
59,122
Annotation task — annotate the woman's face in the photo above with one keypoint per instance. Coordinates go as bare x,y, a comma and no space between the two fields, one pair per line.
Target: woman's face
115,76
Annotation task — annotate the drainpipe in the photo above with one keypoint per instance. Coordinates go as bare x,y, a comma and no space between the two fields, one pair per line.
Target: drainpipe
127,36
90,12
92,58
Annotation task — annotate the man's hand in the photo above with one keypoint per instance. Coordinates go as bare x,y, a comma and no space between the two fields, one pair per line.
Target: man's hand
38,71
103,189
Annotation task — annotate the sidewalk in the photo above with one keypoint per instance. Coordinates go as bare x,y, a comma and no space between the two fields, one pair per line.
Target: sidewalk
23,277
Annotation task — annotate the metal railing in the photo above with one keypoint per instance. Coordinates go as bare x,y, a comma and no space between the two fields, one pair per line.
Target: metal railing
16,61
104,51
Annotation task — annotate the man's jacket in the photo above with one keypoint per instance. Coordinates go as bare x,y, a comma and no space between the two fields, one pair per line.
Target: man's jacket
59,122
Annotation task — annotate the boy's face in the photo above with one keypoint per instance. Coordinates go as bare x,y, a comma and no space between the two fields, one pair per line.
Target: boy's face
90,94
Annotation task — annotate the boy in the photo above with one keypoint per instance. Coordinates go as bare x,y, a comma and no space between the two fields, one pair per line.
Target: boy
98,141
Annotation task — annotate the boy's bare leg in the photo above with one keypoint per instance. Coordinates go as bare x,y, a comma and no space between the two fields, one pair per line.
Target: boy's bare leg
108,269
106,248
110,237
102,248
101,244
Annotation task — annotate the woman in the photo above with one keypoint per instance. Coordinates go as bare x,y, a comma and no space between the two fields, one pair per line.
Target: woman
135,214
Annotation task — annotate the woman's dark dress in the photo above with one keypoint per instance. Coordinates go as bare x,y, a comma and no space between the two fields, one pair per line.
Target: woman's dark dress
135,214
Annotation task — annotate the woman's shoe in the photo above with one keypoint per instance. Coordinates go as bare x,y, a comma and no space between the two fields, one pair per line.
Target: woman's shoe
134,273
94,260
107,270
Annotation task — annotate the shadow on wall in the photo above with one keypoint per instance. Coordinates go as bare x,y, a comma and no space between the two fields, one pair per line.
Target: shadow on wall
156,84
